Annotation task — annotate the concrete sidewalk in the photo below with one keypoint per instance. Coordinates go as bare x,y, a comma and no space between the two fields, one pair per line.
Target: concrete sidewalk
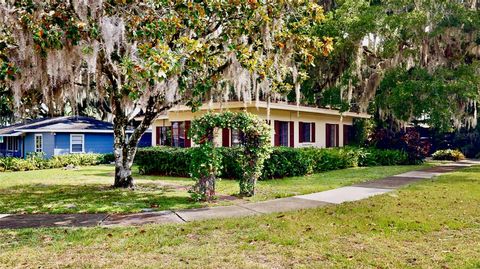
336,196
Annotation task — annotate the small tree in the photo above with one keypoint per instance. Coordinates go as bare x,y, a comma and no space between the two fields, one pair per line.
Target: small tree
132,57
206,161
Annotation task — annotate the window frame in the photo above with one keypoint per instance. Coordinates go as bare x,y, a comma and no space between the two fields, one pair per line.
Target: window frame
284,125
38,150
12,140
71,144
310,132
179,126
236,135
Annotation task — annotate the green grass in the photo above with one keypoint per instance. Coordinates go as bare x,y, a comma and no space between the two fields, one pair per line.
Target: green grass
432,224
87,190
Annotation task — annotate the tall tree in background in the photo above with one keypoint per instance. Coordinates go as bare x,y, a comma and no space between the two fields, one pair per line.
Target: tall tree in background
128,57
410,59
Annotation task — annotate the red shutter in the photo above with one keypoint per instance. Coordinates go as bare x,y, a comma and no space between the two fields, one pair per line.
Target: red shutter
346,130
292,134
158,134
337,134
277,133
328,131
171,137
226,137
313,132
188,142
300,132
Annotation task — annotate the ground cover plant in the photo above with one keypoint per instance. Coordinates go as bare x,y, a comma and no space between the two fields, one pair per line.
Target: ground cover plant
88,189
38,161
431,224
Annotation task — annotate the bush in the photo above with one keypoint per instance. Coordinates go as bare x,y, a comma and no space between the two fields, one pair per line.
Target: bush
448,155
36,161
408,141
385,157
163,161
283,162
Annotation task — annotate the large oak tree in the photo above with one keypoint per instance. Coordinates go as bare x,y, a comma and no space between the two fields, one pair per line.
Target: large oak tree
129,58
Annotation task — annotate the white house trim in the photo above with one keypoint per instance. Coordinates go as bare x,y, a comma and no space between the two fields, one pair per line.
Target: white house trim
83,143
35,142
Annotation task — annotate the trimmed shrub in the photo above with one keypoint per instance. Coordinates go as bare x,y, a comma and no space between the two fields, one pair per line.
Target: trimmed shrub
166,161
385,157
283,162
448,155
36,161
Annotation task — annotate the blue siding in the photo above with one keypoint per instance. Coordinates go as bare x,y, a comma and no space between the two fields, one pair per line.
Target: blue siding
62,143
29,143
145,141
98,143
48,143
59,143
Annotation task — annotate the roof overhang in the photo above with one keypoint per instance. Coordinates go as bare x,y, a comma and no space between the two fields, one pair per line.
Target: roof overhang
75,131
265,105
12,134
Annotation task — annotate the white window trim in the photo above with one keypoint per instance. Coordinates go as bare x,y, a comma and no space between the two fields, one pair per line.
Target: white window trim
83,143
35,142
9,142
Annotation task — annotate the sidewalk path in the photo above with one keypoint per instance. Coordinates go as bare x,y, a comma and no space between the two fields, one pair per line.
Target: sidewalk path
336,196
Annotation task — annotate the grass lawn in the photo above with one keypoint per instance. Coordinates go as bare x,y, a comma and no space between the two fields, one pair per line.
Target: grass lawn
432,224
88,189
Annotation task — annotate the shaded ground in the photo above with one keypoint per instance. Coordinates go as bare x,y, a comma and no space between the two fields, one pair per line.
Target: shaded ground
87,190
430,224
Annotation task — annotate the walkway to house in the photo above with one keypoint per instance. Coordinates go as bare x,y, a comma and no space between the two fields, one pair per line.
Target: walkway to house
336,196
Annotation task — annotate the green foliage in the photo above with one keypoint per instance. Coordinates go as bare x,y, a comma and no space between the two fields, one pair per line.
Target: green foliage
383,157
166,161
36,161
448,154
206,161
432,97
283,161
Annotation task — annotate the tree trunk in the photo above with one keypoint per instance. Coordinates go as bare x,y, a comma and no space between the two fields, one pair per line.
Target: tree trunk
124,152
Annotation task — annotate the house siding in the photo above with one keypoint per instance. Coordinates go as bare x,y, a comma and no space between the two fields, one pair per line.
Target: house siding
99,143
48,143
293,117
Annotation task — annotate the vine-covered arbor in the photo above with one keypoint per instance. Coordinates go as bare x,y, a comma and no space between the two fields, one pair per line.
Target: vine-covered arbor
206,162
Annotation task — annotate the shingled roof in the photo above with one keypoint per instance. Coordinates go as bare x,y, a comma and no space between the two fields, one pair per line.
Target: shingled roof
59,124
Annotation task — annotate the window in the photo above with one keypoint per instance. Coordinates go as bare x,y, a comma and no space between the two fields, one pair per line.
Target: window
348,134
237,138
12,143
178,134
77,143
283,133
38,143
306,132
332,135
163,136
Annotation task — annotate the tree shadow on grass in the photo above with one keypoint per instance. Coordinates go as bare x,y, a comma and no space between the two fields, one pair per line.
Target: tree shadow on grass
92,198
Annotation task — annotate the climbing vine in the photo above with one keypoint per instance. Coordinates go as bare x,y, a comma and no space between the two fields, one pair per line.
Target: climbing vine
206,161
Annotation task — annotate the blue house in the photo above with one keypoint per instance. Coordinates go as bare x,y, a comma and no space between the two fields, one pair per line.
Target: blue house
61,135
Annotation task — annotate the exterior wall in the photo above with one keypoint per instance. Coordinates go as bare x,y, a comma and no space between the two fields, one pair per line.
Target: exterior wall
48,143
145,141
320,121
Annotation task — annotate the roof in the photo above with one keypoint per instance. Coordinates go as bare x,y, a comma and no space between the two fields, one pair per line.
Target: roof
265,105
67,124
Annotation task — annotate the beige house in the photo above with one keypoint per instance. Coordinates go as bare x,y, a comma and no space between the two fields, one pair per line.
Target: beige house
294,126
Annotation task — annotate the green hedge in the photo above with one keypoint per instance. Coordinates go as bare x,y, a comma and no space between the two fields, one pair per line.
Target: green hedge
36,162
283,162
